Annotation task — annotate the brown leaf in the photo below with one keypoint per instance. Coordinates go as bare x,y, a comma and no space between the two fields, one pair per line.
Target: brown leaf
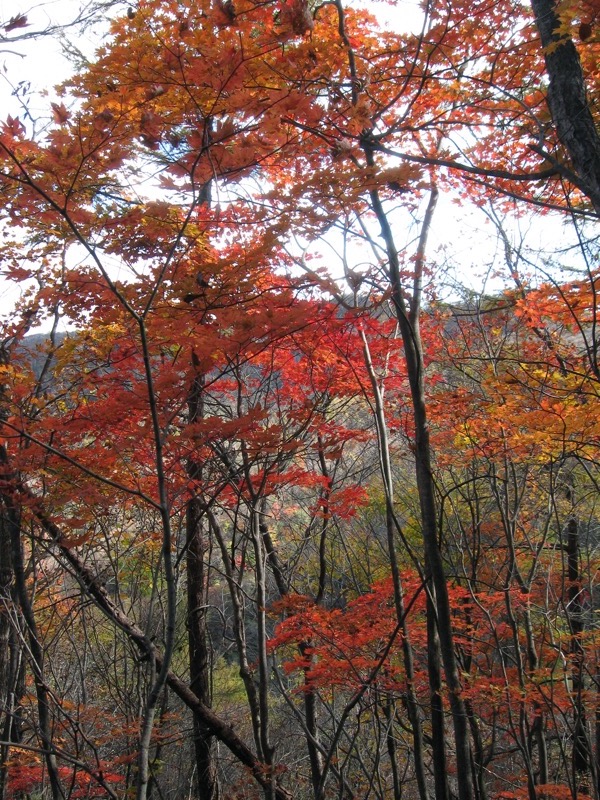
155,90
74,541
13,126
585,31
20,21
103,120
60,113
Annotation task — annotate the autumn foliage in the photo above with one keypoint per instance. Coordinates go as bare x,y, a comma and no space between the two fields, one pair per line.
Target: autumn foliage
284,510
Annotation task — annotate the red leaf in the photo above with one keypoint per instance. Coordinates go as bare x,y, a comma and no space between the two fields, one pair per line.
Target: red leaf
13,127
60,113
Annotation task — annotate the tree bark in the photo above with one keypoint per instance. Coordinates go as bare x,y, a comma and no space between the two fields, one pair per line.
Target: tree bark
13,581
412,705
581,756
408,316
12,685
568,102
13,523
197,555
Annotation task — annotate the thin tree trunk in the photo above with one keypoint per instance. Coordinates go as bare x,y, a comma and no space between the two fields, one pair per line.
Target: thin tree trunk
239,631
12,664
13,569
389,711
153,782
581,750
414,712
438,734
408,322
309,696
11,654
158,679
98,593
260,559
13,521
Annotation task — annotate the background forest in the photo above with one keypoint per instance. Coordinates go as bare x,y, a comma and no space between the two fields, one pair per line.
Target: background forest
281,515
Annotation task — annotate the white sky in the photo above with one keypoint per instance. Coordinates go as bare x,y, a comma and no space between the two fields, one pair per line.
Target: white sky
38,61
30,68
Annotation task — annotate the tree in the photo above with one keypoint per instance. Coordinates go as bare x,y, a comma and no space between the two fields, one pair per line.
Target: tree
222,401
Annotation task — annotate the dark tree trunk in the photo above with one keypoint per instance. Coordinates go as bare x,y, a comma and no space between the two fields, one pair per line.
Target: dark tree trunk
438,736
567,99
12,685
197,556
13,522
581,749
408,316
14,586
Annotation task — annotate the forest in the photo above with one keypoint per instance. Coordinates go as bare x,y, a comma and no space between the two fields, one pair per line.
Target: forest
289,509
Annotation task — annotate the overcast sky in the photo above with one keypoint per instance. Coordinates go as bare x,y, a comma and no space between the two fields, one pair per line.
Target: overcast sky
37,62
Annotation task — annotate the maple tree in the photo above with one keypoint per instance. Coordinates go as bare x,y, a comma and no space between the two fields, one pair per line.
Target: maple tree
378,508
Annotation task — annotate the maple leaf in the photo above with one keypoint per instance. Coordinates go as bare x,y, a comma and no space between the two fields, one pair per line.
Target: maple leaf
18,21
13,127
60,113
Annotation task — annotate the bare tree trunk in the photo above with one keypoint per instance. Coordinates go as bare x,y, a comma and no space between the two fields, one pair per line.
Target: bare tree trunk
260,559
97,592
412,705
389,710
197,555
309,696
12,728
11,654
158,679
438,736
13,573
408,316
581,749
13,522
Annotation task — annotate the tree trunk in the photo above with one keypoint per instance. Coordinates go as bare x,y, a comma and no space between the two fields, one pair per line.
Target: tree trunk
99,594
438,734
408,323
12,685
567,99
197,555
13,523
581,749
412,705
13,582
